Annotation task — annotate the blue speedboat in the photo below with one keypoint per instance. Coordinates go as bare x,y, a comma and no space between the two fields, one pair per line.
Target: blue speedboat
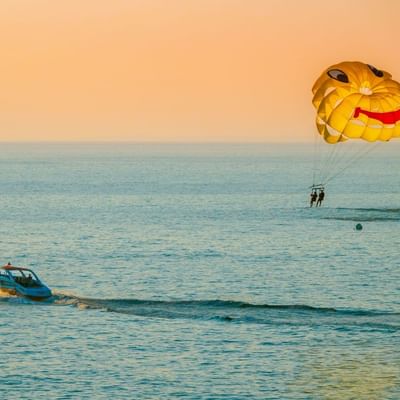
23,282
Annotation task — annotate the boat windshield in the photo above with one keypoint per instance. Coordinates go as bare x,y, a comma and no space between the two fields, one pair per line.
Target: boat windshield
25,278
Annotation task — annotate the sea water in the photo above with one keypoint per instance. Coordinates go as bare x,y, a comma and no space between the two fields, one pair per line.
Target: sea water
199,272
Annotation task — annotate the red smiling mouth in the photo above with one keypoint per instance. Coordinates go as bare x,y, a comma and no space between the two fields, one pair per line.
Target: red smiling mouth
390,117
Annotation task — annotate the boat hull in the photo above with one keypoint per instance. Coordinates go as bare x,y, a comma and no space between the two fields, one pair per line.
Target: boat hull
14,289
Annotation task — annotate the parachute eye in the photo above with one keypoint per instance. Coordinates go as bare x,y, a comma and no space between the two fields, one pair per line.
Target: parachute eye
376,71
338,75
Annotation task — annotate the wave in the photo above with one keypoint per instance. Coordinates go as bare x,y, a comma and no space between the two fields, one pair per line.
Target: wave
224,304
242,312
383,210
358,214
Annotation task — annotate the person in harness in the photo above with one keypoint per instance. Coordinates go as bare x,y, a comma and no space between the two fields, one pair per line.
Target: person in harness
321,197
313,197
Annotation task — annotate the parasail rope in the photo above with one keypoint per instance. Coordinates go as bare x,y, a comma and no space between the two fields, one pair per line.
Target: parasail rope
352,161
332,155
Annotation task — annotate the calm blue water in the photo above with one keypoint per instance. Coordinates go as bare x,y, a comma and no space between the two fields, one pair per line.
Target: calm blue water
199,272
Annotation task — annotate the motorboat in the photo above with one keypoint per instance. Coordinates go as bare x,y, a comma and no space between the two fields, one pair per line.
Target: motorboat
23,282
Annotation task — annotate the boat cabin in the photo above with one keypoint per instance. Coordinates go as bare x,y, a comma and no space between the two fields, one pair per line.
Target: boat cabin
24,276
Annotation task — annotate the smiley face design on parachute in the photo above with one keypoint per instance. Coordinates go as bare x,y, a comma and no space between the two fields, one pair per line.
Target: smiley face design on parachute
357,101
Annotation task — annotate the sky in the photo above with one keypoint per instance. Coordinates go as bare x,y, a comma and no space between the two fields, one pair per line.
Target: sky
179,70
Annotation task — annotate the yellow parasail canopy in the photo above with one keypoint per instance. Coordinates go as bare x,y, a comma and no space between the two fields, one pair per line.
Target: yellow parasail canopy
357,101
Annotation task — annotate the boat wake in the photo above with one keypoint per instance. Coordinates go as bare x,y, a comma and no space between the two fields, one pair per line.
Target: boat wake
230,311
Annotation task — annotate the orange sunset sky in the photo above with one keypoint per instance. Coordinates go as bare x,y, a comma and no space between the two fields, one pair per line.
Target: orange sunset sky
179,70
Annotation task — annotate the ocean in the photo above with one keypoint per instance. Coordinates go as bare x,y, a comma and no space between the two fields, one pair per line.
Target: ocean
184,271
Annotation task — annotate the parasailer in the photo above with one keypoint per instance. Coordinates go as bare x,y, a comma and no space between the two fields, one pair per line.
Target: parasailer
355,103
321,196
313,197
